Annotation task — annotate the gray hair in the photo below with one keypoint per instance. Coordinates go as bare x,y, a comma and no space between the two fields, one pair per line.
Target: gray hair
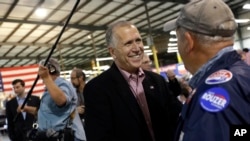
54,62
79,73
110,37
205,40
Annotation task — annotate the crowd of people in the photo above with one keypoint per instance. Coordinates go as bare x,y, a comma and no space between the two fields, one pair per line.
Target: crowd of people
129,102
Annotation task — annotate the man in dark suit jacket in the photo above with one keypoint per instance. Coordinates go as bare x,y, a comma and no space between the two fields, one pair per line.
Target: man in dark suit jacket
20,121
126,103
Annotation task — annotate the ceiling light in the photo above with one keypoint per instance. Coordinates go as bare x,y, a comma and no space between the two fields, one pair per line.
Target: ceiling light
146,47
172,44
171,51
104,58
246,6
147,51
105,67
41,12
242,20
172,39
172,48
172,32
248,28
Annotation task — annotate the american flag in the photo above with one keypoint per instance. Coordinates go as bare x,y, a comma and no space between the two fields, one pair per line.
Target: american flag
26,73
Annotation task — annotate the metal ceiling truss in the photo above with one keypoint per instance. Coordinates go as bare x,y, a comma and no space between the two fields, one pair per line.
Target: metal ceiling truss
91,19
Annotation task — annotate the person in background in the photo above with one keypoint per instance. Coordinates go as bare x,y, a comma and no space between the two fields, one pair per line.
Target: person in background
20,121
146,63
126,103
243,53
173,83
58,103
182,97
246,55
220,83
77,78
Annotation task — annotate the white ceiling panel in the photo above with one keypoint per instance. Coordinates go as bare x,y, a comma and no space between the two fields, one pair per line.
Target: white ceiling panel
5,31
4,7
58,16
90,6
3,61
51,4
21,32
20,12
26,37
30,3
37,33
108,8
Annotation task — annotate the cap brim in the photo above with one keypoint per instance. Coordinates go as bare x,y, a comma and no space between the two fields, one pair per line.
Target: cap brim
170,25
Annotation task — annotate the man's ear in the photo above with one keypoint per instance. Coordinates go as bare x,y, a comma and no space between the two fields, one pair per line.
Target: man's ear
190,42
111,52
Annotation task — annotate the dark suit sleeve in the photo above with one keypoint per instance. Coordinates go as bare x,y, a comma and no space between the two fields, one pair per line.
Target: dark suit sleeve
34,102
174,107
10,117
98,119
174,86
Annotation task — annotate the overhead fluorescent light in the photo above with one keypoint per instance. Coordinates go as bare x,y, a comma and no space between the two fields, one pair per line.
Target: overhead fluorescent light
172,39
41,12
171,51
246,6
146,47
172,48
172,44
248,28
104,59
172,32
105,67
242,20
147,51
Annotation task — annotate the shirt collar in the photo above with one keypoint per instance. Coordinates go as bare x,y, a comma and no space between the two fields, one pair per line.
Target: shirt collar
128,75
21,98
206,67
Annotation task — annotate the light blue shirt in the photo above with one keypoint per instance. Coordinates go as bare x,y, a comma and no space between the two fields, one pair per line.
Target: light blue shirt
50,116
20,102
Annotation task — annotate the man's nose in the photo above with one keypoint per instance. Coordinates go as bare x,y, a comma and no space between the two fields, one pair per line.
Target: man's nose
136,46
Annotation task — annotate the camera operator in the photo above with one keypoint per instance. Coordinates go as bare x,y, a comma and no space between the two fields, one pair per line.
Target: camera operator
57,109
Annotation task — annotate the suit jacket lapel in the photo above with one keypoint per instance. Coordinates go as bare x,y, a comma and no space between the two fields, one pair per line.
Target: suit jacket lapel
148,87
125,92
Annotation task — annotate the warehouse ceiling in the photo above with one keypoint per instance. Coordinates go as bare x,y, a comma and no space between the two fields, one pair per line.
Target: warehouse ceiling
26,37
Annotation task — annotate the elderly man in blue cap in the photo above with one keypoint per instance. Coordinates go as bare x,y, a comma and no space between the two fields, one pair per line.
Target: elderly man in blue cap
221,95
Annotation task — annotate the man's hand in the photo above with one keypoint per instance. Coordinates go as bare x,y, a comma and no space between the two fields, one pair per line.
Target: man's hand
170,74
28,109
19,110
81,109
43,72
